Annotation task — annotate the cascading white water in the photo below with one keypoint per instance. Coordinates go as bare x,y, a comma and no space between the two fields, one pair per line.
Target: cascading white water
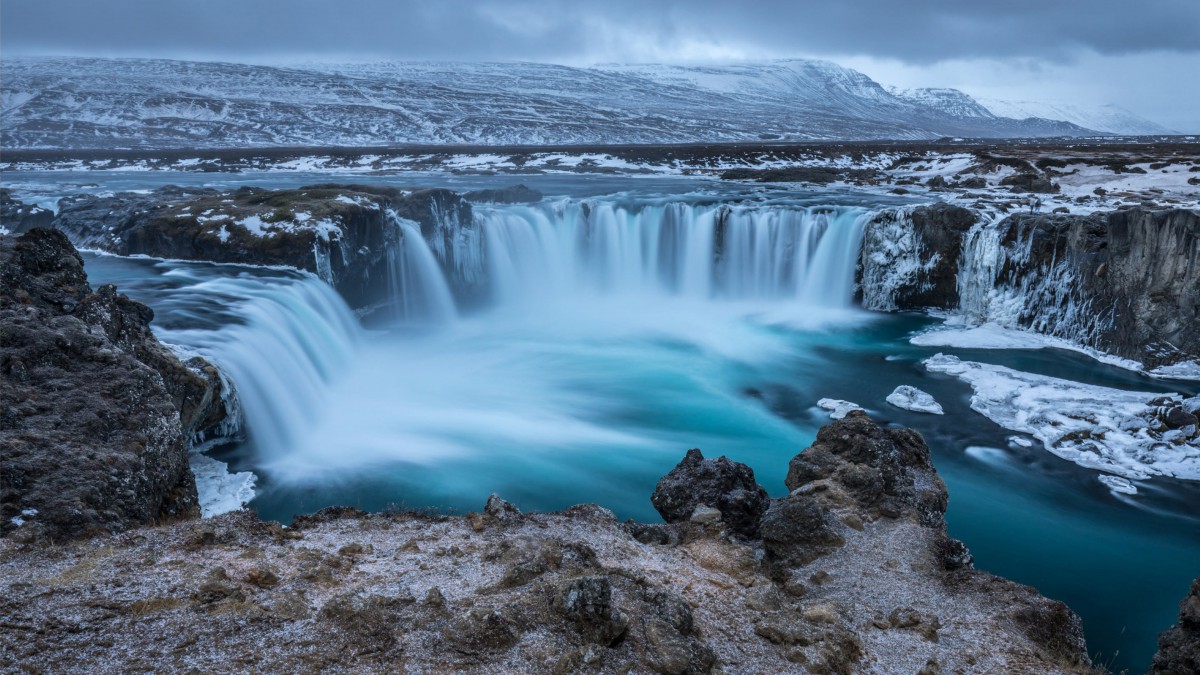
288,337
572,249
419,292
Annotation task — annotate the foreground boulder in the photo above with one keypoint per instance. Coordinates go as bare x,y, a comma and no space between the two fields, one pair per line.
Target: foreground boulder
851,572
96,415
1179,646
720,484
349,235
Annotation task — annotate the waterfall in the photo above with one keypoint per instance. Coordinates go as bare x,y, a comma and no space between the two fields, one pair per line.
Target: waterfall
284,338
418,288
573,249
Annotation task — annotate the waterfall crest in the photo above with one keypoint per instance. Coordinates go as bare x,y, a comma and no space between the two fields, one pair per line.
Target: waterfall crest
573,249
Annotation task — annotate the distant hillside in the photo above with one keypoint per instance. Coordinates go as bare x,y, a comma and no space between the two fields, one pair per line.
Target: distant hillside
1108,118
141,103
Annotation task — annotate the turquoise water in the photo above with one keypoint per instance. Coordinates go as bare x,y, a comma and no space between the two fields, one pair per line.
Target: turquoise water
592,401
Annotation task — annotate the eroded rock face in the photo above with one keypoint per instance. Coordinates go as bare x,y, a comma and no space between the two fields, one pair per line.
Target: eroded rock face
719,483
1125,282
346,234
96,413
1179,646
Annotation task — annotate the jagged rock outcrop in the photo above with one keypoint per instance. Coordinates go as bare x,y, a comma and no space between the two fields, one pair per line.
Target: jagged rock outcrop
17,216
97,415
722,484
1179,646
852,572
910,257
346,234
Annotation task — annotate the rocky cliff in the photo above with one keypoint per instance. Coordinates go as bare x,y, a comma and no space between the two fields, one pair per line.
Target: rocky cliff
348,235
1179,646
851,572
97,415
1125,282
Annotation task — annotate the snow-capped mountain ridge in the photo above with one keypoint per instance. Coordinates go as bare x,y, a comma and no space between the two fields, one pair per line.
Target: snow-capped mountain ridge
151,103
1109,118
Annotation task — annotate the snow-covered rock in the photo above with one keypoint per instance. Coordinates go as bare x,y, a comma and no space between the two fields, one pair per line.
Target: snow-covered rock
911,398
837,408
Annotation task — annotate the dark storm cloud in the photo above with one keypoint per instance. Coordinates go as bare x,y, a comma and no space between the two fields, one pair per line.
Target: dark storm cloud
913,32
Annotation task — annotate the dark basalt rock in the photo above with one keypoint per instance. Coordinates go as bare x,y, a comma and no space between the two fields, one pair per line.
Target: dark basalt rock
351,251
720,483
1179,646
796,530
18,217
1029,182
1136,276
588,602
517,194
887,472
96,413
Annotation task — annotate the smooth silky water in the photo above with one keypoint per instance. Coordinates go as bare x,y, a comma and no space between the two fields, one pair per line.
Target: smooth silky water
611,345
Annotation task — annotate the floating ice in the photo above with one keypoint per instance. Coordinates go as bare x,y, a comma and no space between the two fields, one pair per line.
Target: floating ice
1118,485
220,490
837,408
1096,427
911,398
995,336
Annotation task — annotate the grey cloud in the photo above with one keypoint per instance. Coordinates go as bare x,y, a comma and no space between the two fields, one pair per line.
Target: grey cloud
914,32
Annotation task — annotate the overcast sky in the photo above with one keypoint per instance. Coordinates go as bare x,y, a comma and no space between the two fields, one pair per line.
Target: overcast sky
1144,56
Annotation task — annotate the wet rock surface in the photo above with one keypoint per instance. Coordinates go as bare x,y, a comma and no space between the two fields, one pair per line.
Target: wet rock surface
18,217
910,258
850,574
97,415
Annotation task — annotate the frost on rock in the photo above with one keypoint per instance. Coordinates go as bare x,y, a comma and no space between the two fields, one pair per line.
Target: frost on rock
1112,430
221,491
837,408
911,398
